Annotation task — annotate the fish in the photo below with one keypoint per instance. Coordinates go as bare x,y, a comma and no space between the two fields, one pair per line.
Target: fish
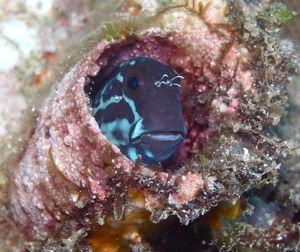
137,107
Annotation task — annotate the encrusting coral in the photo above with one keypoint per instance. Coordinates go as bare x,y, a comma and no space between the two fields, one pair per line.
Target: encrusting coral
71,179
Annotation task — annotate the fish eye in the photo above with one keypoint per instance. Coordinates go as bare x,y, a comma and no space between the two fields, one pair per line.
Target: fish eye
133,83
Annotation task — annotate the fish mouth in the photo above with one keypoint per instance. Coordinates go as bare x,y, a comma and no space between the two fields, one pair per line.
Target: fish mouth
162,136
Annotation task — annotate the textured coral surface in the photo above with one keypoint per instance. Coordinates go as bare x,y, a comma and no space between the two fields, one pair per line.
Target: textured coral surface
62,178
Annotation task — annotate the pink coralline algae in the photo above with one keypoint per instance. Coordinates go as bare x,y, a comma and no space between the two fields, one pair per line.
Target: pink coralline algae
71,177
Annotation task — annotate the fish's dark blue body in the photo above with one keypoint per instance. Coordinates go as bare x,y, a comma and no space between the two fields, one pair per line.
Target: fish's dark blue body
138,109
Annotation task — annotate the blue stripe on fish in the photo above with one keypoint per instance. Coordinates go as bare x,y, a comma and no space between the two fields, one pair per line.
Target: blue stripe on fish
137,107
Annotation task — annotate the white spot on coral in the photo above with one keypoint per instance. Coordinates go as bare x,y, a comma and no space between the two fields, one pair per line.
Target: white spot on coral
219,105
9,55
39,7
222,107
17,41
12,104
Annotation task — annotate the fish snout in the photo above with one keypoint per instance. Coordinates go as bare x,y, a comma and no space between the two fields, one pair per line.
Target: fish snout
157,146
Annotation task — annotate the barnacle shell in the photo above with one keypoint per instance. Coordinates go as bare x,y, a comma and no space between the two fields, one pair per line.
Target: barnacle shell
71,177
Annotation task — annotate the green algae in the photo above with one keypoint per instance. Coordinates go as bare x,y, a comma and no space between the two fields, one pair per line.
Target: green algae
280,14
276,16
110,31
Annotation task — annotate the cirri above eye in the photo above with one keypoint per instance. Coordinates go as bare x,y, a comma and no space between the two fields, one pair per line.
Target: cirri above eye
149,125
133,83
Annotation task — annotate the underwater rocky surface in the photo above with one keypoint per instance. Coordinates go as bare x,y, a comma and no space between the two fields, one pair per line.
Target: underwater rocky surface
234,181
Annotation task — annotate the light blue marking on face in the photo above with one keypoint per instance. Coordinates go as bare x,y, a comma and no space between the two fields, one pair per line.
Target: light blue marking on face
132,153
120,78
138,120
99,96
132,62
104,104
138,129
101,103
124,63
122,125
149,154
131,104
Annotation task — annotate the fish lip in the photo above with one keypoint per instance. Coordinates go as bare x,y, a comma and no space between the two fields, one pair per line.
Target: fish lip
160,136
